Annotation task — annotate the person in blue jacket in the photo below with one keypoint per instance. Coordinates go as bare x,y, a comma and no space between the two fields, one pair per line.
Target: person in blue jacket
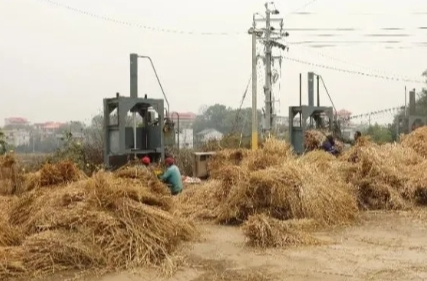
172,177
329,145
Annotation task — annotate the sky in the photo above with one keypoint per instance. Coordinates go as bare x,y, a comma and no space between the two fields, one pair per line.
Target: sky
58,64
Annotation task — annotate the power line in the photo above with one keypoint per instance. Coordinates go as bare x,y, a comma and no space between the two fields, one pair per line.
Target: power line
354,71
359,65
137,25
376,112
186,32
354,42
352,29
296,11
241,105
361,14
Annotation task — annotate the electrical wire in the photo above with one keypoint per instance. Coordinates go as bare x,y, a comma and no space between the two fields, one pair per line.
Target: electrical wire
359,65
353,71
137,25
353,42
184,32
352,29
296,11
241,105
376,112
327,92
361,14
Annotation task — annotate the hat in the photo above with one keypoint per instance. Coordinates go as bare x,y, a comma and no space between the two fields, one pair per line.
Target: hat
146,160
169,161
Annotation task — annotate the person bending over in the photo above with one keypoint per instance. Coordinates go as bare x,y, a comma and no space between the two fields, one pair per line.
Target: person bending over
172,176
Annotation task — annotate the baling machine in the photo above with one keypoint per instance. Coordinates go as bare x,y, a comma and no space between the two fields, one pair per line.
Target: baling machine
411,121
124,141
308,117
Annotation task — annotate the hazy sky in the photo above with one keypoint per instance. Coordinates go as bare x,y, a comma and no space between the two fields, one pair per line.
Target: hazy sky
58,65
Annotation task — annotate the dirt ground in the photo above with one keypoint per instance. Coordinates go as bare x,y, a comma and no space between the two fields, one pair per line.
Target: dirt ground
384,246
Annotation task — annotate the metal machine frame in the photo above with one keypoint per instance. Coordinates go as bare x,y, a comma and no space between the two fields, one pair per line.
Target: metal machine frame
411,121
311,113
121,141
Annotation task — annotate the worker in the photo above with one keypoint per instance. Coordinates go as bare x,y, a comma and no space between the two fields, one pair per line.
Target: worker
329,145
172,176
146,161
357,135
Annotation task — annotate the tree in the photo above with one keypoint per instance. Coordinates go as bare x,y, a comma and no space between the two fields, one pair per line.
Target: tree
380,134
225,119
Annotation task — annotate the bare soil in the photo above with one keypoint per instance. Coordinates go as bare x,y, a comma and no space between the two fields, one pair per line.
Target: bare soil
384,246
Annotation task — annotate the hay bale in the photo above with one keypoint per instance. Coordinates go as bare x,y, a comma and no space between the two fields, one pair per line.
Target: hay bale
417,140
11,263
322,159
277,147
379,196
199,201
380,176
11,177
226,157
416,186
313,140
291,191
106,187
260,159
230,175
105,222
9,235
264,231
59,173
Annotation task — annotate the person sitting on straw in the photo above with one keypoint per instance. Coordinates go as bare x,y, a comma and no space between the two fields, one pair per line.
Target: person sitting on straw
329,145
172,176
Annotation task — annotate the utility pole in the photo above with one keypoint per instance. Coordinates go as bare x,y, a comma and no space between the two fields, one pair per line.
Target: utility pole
269,41
267,86
255,34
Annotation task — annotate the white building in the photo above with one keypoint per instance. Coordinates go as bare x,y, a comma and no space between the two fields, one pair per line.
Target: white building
207,135
17,137
185,138
281,120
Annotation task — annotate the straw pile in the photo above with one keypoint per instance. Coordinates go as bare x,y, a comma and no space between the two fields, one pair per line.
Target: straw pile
107,222
271,181
262,188
53,174
264,231
314,139
11,178
417,140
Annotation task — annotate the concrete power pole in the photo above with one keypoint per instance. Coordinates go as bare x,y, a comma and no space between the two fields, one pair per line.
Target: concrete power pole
267,86
255,34
270,35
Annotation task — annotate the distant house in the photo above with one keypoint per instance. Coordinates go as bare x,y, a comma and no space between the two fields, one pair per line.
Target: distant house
15,121
207,135
17,137
185,138
47,129
186,119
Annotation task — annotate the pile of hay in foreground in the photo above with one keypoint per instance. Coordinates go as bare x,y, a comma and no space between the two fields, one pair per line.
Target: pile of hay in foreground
264,231
274,182
107,222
